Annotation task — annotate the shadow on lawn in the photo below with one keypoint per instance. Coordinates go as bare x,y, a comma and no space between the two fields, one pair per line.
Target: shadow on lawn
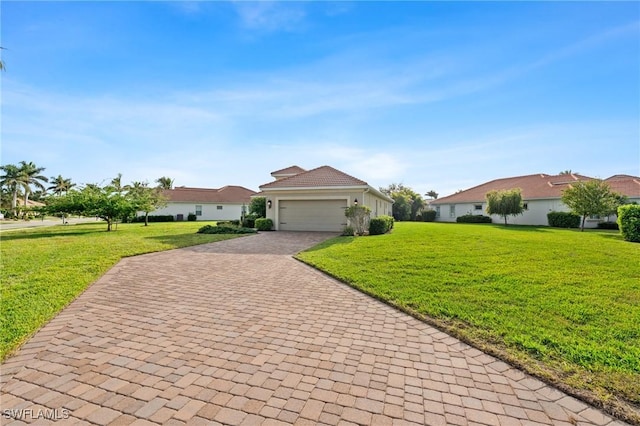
332,242
30,235
521,228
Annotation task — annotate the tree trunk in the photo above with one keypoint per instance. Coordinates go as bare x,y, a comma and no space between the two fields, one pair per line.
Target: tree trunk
505,221
584,217
146,218
108,224
14,203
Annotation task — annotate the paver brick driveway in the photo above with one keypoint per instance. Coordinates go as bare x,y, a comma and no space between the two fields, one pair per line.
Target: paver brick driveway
238,332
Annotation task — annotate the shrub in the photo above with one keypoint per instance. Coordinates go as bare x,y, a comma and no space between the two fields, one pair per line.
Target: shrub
563,220
608,225
191,217
264,224
380,225
428,215
228,223
156,218
348,231
473,218
210,229
629,222
249,220
358,217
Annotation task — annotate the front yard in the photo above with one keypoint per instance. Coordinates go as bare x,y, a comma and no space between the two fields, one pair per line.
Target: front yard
44,269
562,304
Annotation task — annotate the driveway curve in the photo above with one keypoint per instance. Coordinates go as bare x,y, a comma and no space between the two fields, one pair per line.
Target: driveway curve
239,332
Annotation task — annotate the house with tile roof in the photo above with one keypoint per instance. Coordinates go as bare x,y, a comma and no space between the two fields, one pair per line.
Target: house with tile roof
315,200
226,203
541,194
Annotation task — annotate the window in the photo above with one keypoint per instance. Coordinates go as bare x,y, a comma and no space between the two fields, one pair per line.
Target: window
437,211
525,206
452,210
477,207
219,207
198,210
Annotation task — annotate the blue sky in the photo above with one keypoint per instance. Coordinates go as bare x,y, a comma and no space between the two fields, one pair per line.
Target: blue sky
434,95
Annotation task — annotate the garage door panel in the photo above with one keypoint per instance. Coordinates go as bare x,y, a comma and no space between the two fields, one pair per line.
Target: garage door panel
312,215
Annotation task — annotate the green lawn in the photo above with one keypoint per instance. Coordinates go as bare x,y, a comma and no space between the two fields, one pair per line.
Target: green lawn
561,303
43,269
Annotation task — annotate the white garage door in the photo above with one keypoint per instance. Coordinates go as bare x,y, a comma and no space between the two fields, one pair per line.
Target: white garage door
312,215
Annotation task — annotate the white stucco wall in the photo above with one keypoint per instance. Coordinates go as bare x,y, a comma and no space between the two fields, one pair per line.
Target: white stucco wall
210,211
536,213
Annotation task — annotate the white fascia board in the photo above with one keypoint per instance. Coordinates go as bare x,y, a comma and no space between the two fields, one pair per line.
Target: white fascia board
315,188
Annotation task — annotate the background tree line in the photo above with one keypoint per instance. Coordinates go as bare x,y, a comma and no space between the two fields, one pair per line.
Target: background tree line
111,202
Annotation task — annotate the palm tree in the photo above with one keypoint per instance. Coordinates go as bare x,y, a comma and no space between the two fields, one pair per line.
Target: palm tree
433,194
116,183
60,185
12,180
165,182
30,175
2,67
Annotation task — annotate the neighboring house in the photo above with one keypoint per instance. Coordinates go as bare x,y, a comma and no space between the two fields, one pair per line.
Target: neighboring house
227,203
315,200
541,194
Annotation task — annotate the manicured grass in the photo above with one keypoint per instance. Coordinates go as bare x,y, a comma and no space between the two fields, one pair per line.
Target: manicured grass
44,269
561,303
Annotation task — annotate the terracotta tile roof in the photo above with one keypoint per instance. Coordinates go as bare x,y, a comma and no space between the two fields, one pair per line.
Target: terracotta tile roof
226,194
289,171
532,186
540,186
323,176
625,184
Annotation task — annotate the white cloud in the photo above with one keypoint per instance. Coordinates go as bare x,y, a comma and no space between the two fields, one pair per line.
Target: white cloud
270,16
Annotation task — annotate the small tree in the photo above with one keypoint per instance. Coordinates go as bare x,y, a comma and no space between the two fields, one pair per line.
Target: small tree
146,199
258,206
505,203
586,198
358,217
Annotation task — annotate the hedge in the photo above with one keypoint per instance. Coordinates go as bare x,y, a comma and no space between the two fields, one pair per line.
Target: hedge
473,218
428,215
230,223
210,229
608,225
156,218
264,224
380,225
563,220
629,222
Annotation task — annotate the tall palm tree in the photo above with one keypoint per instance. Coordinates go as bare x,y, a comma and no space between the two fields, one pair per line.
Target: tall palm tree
12,180
165,182
60,185
30,175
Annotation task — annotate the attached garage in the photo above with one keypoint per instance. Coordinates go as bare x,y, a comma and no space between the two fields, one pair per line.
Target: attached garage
316,200
312,215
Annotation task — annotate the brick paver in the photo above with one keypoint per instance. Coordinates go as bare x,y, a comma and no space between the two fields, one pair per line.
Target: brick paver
238,332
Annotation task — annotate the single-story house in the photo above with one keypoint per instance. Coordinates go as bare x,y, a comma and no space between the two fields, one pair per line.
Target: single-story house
315,200
226,203
541,194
